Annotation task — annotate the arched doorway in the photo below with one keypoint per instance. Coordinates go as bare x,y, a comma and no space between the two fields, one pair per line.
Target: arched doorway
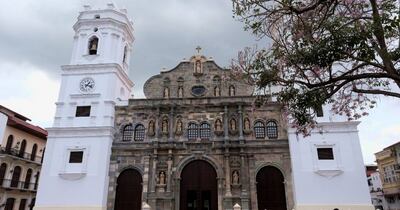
129,191
198,187
270,189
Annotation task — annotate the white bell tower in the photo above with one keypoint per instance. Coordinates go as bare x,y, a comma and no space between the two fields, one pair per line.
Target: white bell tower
75,169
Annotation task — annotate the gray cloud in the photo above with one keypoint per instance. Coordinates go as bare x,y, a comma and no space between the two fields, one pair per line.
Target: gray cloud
166,31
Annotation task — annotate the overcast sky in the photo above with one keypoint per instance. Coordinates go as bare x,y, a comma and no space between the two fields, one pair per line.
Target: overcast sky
36,38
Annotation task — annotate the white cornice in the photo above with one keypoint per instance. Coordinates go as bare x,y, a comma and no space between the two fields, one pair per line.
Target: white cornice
331,127
99,69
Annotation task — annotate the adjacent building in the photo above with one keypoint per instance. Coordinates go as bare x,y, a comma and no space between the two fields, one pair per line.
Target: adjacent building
375,188
199,140
21,150
388,161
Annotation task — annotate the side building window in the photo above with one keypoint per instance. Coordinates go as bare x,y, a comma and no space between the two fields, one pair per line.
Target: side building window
272,130
259,130
139,132
127,133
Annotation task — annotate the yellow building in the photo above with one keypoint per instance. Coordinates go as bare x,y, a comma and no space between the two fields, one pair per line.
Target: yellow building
21,149
389,168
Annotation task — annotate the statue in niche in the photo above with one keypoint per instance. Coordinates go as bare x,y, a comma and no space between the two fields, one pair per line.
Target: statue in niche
165,125
151,128
235,177
217,91
246,124
179,127
166,92
232,124
180,92
161,178
197,67
218,125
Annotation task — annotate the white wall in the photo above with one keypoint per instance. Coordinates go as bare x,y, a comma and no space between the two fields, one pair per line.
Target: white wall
65,184
338,182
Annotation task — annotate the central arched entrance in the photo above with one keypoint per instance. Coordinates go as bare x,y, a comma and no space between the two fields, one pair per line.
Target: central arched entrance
129,190
198,187
270,189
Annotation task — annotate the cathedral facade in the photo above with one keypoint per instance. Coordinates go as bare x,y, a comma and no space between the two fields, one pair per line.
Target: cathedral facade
199,141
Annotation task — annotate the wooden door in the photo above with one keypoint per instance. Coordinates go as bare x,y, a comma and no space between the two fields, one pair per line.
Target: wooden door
129,191
198,187
9,143
270,189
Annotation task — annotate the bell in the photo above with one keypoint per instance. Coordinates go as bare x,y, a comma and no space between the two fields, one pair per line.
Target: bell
93,47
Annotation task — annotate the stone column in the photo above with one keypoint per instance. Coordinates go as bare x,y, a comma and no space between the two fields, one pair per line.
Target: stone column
169,172
153,172
145,177
171,124
157,124
226,125
240,122
227,174
252,183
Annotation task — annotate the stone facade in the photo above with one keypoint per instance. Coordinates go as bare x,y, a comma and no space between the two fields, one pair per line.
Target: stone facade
229,142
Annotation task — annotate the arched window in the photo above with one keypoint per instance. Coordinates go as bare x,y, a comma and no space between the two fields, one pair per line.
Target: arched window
3,170
193,131
205,131
259,130
32,204
93,45
272,130
28,179
127,133
15,177
10,140
41,159
33,154
22,149
9,204
125,54
217,79
139,132
232,91
36,180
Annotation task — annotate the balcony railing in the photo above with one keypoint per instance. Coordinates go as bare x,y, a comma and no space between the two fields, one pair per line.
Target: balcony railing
13,184
23,155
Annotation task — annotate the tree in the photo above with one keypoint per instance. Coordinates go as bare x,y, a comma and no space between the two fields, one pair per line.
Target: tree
341,52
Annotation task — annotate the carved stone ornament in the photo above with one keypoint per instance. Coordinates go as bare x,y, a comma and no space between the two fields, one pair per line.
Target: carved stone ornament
179,127
246,126
151,130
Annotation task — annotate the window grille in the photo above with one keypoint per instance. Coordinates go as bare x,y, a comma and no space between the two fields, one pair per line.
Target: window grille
139,132
127,133
272,130
192,131
205,131
259,130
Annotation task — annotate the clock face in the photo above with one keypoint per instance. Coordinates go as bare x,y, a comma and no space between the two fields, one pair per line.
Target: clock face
86,85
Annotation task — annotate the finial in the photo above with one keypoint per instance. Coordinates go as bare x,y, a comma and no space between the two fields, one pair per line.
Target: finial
198,49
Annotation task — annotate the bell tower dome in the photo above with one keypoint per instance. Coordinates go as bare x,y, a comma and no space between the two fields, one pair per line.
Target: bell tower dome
76,163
